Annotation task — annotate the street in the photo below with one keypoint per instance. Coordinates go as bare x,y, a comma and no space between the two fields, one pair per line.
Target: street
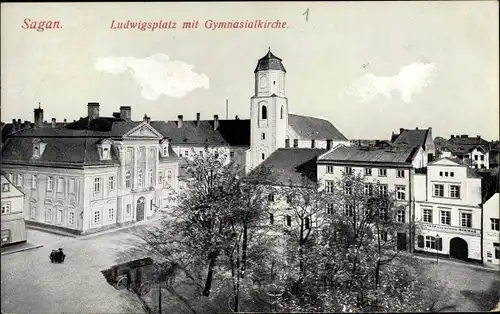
31,284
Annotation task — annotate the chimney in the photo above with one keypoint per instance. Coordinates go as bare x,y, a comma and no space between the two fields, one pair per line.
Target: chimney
216,121
126,113
478,137
464,136
93,110
116,115
329,144
236,118
401,130
14,125
197,118
452,136
179,121
53,124
64,123
38,117
359,142
416,128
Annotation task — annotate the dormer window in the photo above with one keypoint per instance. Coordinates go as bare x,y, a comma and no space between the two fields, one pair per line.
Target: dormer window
104,148
38,148
165,143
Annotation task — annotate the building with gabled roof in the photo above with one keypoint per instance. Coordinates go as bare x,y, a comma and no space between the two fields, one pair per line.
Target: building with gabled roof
475,151
416,137
93,174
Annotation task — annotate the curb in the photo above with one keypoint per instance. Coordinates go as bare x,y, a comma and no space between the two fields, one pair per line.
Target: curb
446,261
23,249
56,232
142,223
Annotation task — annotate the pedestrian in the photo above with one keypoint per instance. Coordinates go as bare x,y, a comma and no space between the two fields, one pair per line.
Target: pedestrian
53,256
60,256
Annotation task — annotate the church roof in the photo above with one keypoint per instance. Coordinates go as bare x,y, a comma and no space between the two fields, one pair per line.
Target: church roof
314,128
269,62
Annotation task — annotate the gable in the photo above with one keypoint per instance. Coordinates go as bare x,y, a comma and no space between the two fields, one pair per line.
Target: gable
143,130
13,190
445,162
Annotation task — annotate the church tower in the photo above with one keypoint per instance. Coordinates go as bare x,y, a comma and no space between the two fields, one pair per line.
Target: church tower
268,109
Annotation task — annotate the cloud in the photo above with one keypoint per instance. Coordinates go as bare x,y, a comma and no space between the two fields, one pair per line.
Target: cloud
410,80
156,75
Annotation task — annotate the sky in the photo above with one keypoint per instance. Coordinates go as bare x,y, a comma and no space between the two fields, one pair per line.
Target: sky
368,67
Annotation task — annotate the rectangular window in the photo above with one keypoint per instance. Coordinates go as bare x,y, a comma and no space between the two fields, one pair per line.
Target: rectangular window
151,177
169,176
349,210
97,185
348,170
288,221
329,169
33,212
329,186
440,173
475,157
111,183
139,178
289,199
400,173
446,174
270,197
368,188
128,209
445,217
20,180
382,172
186,153
129,155
368,171
400,192
60,185
383,189
271,219
482,157
97,217
455,191
497,250
495,224
427,215
50,183
5,187
71,218
383,235
59,216
231,154
33,182
49,214
430,242
400,216
438,190
287,143
329,208
466,220
313,143
127,179
295,143
165,151
263,136
111,214
347,188
382,212
5,208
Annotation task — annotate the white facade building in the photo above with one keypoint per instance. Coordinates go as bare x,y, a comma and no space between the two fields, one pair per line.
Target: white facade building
448,209
491,235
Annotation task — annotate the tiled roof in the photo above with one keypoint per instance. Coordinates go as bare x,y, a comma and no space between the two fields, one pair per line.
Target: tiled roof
229,132
291,165
371,154
411,138
314,128
490,184
462,140
269,62
59,151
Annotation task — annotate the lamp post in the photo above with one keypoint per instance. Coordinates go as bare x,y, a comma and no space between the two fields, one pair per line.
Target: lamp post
437,248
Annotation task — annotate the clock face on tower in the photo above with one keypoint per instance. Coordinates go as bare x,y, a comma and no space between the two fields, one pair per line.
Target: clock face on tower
263,82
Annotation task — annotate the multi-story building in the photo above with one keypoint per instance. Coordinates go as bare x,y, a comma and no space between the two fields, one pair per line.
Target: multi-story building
474,151
92,174
448,209
389,169
13,226
491,218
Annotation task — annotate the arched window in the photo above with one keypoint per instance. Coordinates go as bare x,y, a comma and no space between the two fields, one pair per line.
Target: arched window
263,114
282,112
